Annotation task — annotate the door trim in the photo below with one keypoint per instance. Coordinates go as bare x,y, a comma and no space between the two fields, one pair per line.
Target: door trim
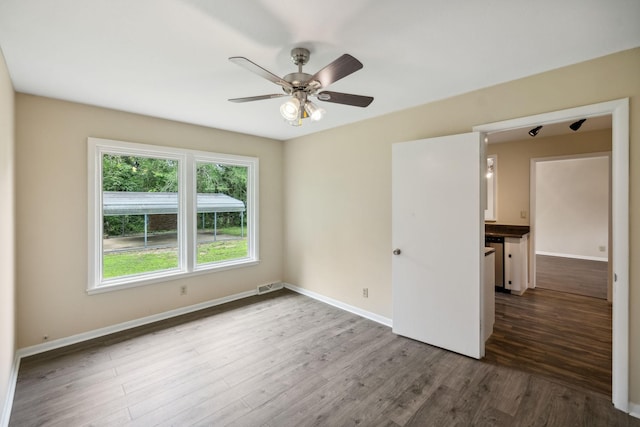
619,110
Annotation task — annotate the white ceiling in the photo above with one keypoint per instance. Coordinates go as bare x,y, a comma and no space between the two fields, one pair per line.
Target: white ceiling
169,58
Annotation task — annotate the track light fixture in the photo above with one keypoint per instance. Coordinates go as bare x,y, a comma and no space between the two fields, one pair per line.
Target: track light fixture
576,125
535,130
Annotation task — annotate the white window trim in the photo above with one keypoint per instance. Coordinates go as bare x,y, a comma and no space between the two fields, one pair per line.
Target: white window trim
491,210
187,235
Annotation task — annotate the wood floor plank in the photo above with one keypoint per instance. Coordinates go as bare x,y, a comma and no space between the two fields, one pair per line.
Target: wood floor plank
379,406
49,391
534,408
267,412
562,336
505,400
571,275
438,410
284,359
220,417
360,349
368,394
432,374
152,412
491,417
117,419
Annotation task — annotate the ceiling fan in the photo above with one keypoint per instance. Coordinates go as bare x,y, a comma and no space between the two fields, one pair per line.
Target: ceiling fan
301,86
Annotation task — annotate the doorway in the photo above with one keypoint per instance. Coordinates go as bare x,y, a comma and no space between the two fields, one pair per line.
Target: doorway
619,110
570,211
552,330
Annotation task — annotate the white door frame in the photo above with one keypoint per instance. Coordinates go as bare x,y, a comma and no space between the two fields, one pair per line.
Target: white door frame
619,110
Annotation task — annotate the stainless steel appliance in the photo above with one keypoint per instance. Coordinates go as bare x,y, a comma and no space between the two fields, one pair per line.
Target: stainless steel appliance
497,243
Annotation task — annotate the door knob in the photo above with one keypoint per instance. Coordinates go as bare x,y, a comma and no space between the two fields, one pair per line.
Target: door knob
397,251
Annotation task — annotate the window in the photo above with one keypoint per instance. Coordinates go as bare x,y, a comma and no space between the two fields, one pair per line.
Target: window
157,213
490,213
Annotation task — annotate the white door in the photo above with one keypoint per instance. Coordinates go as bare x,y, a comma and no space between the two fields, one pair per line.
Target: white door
438,240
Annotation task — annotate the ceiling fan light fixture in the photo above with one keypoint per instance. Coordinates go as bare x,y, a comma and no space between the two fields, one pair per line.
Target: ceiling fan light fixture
290,110
300,86
316,113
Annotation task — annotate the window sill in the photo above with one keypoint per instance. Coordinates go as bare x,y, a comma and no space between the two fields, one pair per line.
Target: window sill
172,275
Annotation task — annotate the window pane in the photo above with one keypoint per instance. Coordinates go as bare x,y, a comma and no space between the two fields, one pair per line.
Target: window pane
140,215
221,212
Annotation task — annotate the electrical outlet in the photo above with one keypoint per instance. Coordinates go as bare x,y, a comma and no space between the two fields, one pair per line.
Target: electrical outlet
602,248
523,214
183,290
365,292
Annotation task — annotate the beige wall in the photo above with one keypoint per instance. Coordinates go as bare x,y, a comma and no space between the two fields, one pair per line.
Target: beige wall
338,182
514,159
51,230
572,206
7,247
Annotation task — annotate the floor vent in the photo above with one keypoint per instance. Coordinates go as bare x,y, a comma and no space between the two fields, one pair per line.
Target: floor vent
269,287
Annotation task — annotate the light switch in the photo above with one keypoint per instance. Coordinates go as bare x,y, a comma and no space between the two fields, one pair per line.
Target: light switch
523,214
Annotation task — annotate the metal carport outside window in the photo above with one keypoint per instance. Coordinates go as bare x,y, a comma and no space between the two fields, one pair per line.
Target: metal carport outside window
147,203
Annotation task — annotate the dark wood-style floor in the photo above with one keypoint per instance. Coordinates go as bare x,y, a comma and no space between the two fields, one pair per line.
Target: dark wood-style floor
283,359
575,276
562,336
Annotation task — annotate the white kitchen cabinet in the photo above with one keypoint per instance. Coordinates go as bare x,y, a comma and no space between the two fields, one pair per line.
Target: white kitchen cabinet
516,263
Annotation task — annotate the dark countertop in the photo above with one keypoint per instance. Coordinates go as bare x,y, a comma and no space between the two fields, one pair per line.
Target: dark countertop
504,230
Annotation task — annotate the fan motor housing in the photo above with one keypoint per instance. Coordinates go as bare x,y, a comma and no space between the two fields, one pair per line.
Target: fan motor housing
298,79
300,55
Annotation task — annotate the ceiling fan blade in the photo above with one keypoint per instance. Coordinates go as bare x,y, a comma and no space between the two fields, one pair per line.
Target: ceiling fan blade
255,68
338,69
345,98
258,98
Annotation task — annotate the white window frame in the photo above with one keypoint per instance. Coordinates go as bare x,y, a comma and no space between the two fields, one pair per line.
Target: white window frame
491,211
187,223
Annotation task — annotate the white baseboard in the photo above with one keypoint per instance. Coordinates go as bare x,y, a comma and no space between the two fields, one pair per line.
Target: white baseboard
350,308
97,333
585,257
11,390
634,409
